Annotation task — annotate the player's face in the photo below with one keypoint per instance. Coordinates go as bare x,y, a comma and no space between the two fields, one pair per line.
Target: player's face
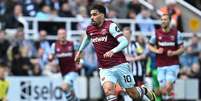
61,35
96,17
43,35
2,73
127,34
165,21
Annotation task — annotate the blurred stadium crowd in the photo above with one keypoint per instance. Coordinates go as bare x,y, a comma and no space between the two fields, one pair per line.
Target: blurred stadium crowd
30,57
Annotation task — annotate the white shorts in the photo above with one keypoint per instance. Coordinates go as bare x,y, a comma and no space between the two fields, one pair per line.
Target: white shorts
70,78
167,74
121,74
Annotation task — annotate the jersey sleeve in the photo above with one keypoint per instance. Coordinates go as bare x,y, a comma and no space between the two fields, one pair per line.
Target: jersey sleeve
179,38
52,48
115,31
84,43
152,39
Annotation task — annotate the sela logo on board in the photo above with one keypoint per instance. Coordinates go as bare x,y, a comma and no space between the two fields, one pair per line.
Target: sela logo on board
38,92
25,90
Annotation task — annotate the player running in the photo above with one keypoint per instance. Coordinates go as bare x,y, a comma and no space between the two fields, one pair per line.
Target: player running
169,46
64,51
109,43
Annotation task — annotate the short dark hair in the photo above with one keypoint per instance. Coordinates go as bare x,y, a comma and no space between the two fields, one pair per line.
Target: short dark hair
128,29
100,8
169,16
3,65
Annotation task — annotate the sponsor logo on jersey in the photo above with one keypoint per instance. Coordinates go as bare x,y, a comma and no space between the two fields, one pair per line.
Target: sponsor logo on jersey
99,39
61,55
166,43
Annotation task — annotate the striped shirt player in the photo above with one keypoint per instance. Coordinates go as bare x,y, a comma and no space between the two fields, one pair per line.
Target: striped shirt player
138,67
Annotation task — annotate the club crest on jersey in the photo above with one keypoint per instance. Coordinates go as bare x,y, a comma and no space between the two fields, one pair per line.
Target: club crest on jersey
160,37
103,31
91,34
58,50
70,48
172,37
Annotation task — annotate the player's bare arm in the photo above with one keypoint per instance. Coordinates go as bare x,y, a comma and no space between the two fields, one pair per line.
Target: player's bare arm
176,52
135,58
108,54
152,45
78,57
51,56
84,43
155,50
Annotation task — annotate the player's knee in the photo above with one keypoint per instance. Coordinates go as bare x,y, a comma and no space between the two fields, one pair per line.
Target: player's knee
133,93
108,88
65,87
169,86
157,91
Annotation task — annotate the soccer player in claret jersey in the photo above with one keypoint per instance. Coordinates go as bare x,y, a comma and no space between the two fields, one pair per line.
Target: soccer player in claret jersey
109,42
169,46
64,51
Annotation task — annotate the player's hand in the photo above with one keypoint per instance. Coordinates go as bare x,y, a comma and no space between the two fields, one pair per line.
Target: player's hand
50,57
64,86
130,58
170,53
189,50
108,54
77,57
78,66
160,51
